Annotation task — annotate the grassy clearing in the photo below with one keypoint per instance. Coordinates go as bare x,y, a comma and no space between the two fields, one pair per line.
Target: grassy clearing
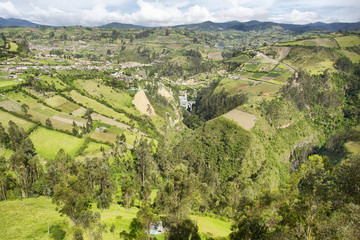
28,219
6,83
314,60
212,226
348,41
94,147
34,214
354,57
97,107
315,42
262,88
117,99
5,153
5,117
104,137
353,147
54,81
49,142
234,86
13,47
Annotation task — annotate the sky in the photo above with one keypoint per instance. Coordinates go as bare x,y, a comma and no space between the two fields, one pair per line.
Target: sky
175,12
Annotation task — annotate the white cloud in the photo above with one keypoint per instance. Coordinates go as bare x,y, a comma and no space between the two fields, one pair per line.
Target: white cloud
8,10
174,12
297,17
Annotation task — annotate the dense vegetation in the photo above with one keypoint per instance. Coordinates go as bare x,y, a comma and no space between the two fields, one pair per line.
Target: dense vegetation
72,131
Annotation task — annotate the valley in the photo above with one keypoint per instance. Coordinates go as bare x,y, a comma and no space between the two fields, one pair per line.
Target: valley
95,141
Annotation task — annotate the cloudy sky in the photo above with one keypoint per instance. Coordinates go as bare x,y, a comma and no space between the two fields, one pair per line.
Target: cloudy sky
174,12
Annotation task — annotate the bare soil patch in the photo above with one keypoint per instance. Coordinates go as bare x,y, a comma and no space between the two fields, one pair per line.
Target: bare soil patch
244,119
142,103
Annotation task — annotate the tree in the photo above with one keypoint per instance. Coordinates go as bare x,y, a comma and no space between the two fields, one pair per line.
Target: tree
144,166
140,226
16,134
185,230
6,179
175,197
4,137
28,169
48,123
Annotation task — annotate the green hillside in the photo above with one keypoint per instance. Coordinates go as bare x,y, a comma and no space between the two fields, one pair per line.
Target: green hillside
213,134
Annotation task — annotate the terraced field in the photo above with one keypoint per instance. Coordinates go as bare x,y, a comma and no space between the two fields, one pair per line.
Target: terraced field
5,117
49,142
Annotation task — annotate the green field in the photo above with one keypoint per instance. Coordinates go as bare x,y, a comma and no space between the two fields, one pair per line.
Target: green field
94,147
49,142
6,83
263,88
233,86
310,60
97,107
5,117
13,47
62,103
29,219
212,226
348,41
315,42
117,99
354,57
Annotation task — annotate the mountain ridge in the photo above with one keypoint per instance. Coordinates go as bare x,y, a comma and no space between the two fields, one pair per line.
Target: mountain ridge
252,25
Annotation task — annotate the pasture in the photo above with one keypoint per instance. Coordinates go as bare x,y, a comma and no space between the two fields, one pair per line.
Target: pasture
62,103
233,86
348,41
5,117
7,83
97,107
49,142
263,88
315,42
36,214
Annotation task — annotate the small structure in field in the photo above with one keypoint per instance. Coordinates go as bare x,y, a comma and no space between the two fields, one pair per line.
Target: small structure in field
156,228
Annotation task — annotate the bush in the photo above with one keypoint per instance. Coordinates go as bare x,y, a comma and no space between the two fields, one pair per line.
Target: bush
56,232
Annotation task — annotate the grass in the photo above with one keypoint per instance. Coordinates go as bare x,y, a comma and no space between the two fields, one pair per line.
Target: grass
312,60
263,88
5,117
348,41
104,137
13,47
5,153
233,87
353,147
117,99
49,142
315,42
29,218
6,83
62,103
97,107
212,226
354,57
95,147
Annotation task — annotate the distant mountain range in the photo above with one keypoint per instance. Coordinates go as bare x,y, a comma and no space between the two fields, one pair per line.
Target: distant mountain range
14,22
211,26
256,26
